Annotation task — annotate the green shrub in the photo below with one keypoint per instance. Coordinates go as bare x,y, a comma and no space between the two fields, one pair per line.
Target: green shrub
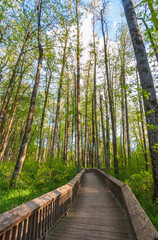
140,183
35,180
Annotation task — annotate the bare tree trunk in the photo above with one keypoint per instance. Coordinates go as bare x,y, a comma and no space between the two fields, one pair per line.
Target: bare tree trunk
43,116
72,137
10,122
107,127
67,127
58,100
126,107
76,146
23,150
78,91
150,100
142,124
123,120
103,133
93,134
95,99
113,120
86,110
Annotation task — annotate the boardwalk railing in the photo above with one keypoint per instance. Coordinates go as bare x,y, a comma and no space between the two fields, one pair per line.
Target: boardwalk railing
140,225
33,220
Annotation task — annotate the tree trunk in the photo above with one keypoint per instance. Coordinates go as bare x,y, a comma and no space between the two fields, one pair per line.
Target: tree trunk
142,124
86,110
123,119
10,122
125,97
78,91
76,145
107,127
95,99
149,97
103,133
113,120
23,149
93,134
58,100
67,127
43,116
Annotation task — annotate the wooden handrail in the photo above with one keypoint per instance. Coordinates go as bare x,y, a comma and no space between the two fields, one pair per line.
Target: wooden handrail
140,225
33,220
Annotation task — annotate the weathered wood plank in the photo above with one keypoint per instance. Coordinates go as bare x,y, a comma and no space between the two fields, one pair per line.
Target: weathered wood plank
95,214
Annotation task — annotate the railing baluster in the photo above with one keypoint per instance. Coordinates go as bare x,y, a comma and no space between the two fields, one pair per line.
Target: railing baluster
2,237
22,231
41,222
14,233
33,220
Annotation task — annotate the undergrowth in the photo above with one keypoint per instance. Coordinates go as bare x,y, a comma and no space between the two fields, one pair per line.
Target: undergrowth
35,180
141,184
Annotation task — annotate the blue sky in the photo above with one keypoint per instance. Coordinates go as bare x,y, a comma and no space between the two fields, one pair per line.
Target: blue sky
114,16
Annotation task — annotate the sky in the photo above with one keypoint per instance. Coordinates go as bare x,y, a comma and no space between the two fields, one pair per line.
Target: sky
114,18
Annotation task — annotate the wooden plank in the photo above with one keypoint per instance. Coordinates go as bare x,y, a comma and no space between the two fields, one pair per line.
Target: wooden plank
95,214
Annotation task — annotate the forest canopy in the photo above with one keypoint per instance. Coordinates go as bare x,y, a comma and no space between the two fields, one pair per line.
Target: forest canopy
78,89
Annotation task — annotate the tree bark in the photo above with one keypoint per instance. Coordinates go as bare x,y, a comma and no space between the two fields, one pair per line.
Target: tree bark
113,120
23,149
78,91
107,126
93,133
59,97
149,96
43,116
10,122
123,119
67,128
103,133
142,124
95,99
86,111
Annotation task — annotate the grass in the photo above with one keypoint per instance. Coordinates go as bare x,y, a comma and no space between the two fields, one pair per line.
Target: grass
35,180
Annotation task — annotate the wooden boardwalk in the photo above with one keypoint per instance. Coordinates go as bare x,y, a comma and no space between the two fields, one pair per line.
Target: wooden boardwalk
95,214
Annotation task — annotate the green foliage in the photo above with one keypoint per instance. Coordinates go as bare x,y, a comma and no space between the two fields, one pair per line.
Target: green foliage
141,185
35,180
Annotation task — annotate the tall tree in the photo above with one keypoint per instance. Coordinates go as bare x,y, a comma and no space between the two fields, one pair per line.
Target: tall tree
142,122
43,116
113,120
103,134
149,94
78,90
59,95
27,35
23,149
95,97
